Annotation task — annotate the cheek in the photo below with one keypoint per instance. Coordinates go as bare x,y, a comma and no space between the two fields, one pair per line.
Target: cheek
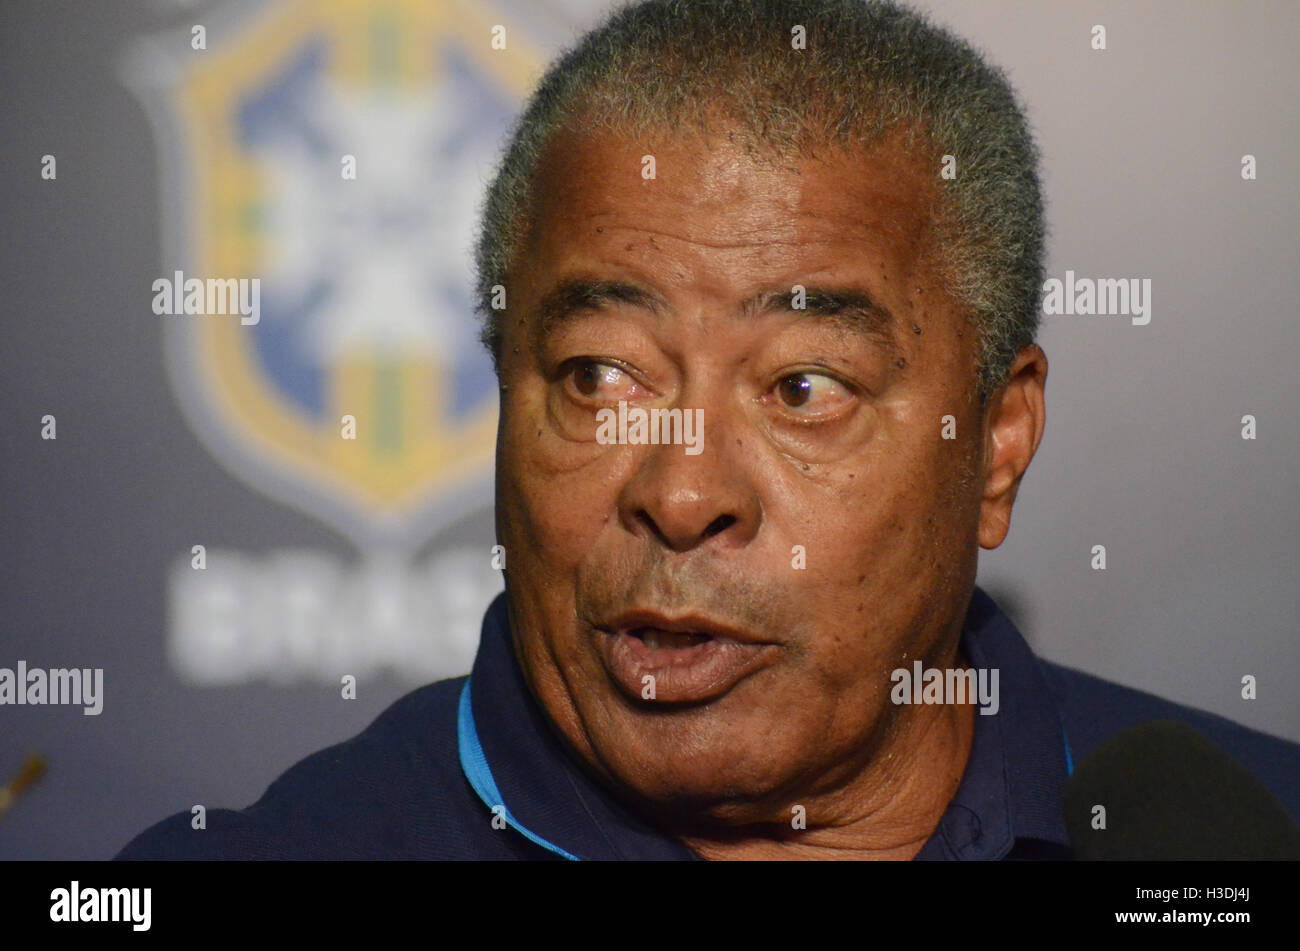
887,540
866,522
554,495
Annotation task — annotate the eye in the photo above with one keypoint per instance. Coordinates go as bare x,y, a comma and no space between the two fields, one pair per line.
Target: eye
812,394
597,380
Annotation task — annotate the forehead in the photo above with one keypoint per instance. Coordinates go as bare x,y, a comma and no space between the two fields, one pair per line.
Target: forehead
721,218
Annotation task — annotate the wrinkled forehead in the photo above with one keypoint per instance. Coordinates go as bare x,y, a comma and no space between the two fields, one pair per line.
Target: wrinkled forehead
707,215
724,188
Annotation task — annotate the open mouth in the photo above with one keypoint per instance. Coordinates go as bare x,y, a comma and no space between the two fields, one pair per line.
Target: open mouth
656,659
658,639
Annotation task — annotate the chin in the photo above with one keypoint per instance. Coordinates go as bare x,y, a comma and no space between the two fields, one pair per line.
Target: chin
679,769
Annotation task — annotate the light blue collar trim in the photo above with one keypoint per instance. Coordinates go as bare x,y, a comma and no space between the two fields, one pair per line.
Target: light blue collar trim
475,766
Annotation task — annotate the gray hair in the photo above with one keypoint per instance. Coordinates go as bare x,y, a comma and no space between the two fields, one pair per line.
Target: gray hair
869,70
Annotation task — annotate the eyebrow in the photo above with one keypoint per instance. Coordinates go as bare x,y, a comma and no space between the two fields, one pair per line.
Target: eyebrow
852,308
576,295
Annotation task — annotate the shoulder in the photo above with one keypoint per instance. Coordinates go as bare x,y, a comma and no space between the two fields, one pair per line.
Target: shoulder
1093,710
393,791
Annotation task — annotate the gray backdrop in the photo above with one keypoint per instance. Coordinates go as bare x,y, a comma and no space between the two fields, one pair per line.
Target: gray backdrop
1142,146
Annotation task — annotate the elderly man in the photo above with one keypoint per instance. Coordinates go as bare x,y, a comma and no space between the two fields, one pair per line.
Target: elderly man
805,243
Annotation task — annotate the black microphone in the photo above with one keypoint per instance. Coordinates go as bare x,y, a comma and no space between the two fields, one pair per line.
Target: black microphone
1170,793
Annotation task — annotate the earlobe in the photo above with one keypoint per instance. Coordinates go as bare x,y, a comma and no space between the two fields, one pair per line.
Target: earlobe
1015,420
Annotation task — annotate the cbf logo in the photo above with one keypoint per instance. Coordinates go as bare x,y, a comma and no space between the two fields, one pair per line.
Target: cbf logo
331,157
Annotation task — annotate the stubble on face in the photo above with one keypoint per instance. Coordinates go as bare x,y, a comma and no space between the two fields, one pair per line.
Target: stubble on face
884,510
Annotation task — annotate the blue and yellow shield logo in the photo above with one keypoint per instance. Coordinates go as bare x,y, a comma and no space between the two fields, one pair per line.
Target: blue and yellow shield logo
338,151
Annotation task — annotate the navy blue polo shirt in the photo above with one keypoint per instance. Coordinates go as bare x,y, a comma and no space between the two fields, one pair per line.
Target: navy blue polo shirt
469,768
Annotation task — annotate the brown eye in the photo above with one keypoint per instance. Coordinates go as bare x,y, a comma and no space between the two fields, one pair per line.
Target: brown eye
590,378
795,390
587,377
812,396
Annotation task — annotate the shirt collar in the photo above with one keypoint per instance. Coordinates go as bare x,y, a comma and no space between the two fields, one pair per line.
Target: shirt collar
1009,802
546,795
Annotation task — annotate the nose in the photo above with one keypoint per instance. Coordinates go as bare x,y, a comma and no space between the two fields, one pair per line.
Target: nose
686,501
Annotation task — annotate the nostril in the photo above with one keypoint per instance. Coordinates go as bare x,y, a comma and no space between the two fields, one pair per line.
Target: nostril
719,524
644,518
686,538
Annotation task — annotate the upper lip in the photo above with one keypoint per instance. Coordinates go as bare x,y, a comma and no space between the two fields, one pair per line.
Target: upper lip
686,624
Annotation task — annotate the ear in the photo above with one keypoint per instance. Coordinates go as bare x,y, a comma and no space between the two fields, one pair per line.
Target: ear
1013,427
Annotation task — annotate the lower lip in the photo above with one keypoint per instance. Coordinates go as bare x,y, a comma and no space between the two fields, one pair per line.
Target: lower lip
681,674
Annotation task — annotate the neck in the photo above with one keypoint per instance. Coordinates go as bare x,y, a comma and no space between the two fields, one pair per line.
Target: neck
887,810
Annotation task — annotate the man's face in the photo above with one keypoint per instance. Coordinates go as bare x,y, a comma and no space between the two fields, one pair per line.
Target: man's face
825,532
